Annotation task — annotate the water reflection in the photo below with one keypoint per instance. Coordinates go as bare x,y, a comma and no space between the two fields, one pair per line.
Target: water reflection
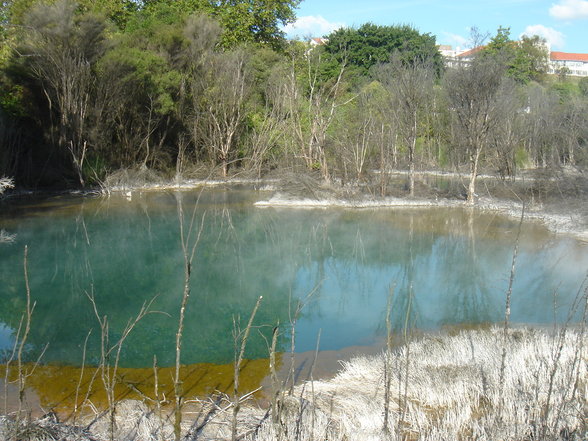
6,340
446,267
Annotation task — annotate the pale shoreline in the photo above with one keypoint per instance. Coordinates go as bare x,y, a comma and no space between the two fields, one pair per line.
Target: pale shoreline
556,223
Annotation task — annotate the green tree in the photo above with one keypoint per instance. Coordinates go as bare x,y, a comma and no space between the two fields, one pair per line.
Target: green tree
563,87
500,43
266,119
531,59
371,44
356,131
14,11
144,78
526,60
139,88
118,11
255,21
243,21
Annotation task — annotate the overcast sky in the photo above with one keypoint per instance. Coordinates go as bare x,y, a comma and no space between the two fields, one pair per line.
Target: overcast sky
563,23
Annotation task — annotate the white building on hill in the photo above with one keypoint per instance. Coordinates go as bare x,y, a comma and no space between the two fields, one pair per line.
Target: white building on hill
454,58
574,64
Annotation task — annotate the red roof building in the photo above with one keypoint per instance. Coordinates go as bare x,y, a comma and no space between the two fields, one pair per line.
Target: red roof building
571,64
565,56
318,41
469,54
559,62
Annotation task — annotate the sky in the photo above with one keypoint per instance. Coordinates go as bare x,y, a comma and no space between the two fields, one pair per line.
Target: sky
563,23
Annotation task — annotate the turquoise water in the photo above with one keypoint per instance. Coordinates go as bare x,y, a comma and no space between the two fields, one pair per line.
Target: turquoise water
437,267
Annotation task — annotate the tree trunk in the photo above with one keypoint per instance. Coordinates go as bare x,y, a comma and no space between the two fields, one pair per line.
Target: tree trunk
225,167
411,178
411,151
472,186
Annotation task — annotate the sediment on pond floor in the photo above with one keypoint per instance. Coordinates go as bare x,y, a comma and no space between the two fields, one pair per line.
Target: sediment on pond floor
515,384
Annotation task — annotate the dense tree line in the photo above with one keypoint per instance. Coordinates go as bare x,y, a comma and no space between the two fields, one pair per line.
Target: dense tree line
91,87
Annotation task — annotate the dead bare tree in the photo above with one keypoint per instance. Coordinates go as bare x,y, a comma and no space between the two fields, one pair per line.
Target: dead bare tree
240,337
477,94
541,122
411,89
358,131
312,105
222,106
110,355
269,124
508,135
575,121
189,239
59,50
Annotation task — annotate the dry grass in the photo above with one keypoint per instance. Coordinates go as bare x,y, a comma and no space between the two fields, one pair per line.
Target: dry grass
454,389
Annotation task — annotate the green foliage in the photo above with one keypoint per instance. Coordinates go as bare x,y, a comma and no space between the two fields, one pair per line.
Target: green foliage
252,21
371,44
146,50
262,61
96,169
526,60
565,90
531,59
500,42
147,22
145,72
521,158
12,99
14,11
443,155
583,86
117,11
